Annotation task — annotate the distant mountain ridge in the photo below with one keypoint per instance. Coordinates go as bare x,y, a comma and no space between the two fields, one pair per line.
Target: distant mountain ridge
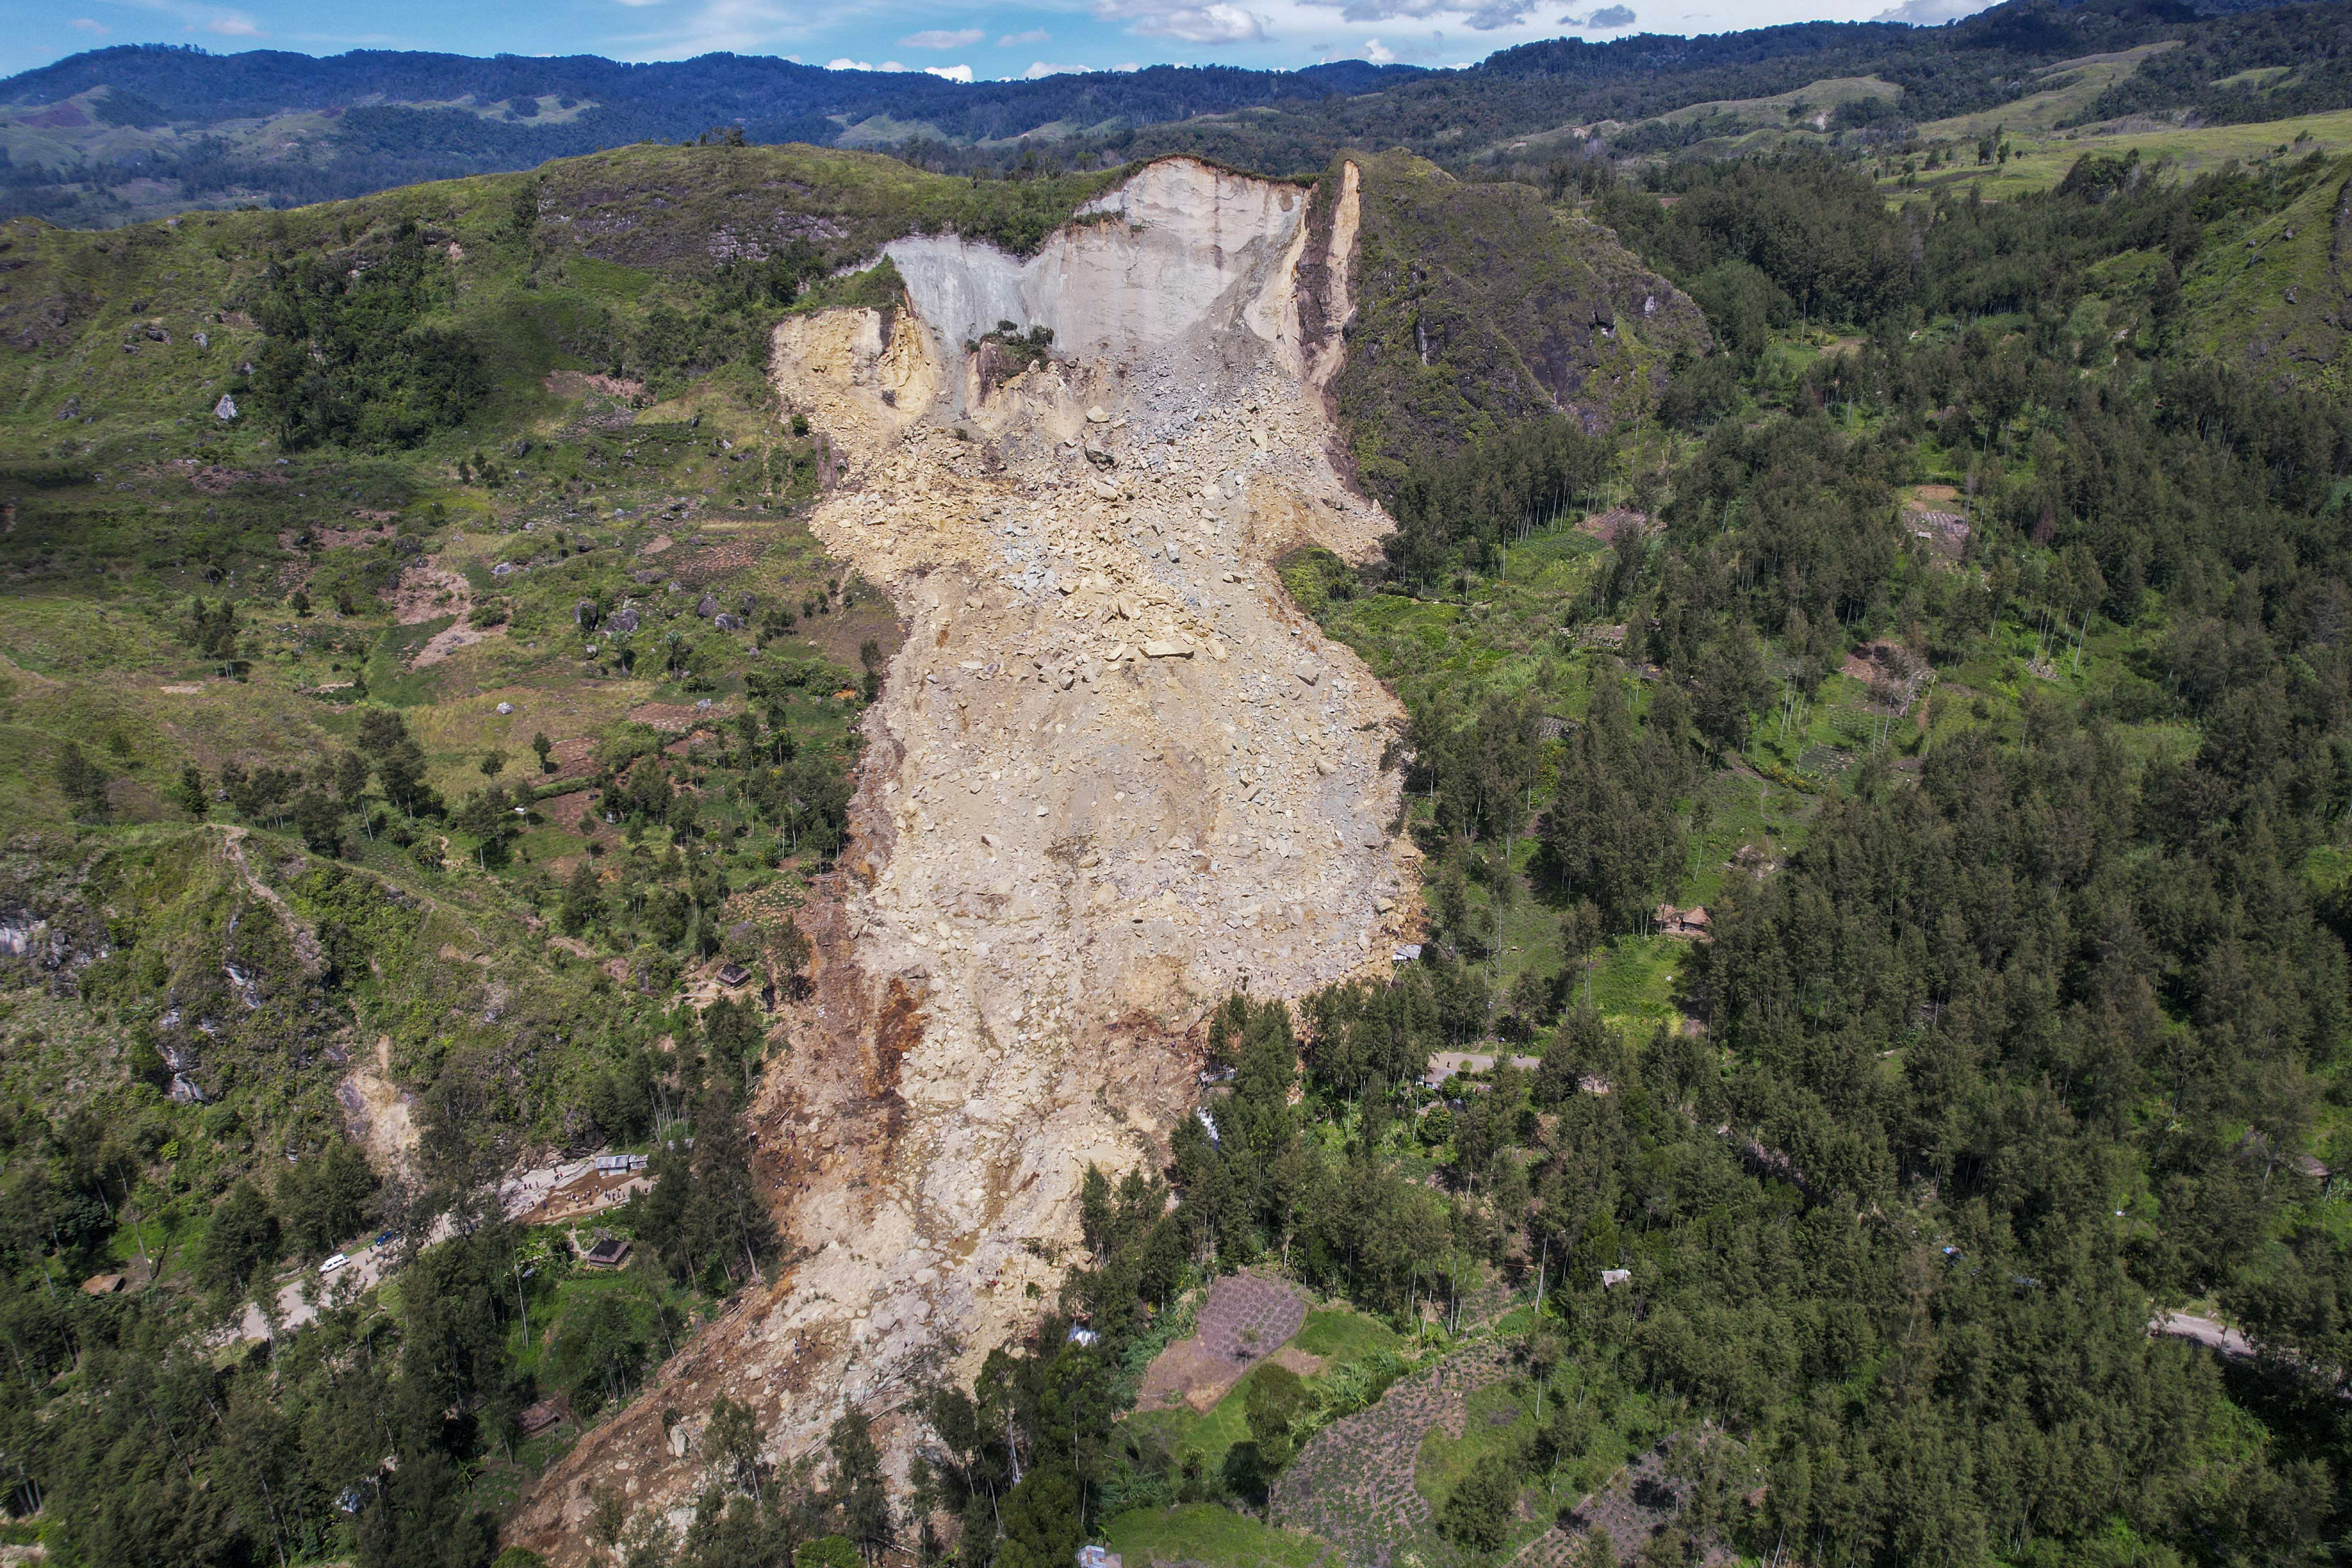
762,93
140,132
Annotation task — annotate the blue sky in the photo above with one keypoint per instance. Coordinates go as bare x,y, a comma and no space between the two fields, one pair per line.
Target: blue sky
1031,37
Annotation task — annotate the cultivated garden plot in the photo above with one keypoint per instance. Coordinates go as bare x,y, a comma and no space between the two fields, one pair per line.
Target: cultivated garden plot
1354,1483
1246,1319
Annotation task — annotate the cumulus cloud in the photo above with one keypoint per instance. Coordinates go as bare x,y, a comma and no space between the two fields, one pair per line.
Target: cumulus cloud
1606,19
1034,36
1047,68
1378,53
1931,13
952,73
1216,23
846,64
943,39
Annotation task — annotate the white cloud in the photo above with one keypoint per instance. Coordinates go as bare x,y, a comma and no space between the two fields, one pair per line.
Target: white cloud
1220,21
740,27
846,64
1126,65
943,39
1378,53
214,19
1606,19
1047,68
952,73
89,25
1931,13
1034,36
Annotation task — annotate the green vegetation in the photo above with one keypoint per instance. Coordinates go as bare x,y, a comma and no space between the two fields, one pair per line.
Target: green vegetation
1945,594
1204,1532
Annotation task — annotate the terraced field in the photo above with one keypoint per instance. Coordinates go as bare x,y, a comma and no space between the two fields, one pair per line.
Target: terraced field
1353,1484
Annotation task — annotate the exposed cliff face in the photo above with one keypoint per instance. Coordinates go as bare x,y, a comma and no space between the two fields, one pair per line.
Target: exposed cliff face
1144,264
1113,775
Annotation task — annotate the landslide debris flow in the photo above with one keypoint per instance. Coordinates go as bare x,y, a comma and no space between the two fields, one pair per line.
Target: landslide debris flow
1112,776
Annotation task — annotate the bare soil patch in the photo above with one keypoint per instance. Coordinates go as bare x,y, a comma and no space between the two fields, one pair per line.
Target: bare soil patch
571,384
1245,1319
673,718
1605,526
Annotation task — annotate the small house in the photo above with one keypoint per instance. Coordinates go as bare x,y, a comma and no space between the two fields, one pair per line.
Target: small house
1408,953
1098,1557
610,1252
733,974
537,1418
1691,922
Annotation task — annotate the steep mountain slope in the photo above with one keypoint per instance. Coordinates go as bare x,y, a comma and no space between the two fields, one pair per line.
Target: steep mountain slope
1109,773
1114,776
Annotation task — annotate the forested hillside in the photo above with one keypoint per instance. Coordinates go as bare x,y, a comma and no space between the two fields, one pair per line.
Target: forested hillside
1878,742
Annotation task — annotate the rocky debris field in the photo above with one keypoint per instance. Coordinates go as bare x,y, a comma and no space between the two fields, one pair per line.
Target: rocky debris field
1113,775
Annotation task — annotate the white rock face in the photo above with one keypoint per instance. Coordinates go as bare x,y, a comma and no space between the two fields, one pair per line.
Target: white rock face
1144,263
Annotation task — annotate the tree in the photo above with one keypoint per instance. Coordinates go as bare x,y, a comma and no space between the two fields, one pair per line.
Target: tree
541,745
489,820
858,1491
793,954
83,783
326,1197
242,1237
190,795
584,899
733,1439
1477,1512
424,1519
599,1347
608,1515
321,822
